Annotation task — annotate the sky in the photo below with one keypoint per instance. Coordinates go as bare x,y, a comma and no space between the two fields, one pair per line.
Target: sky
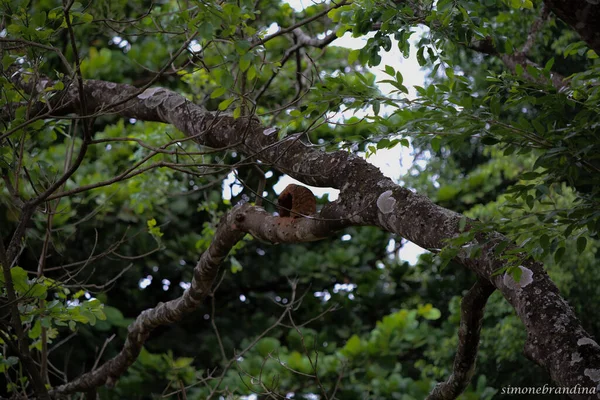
393,163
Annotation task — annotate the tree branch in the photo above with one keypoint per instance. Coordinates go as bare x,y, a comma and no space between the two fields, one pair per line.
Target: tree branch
471,318
369,198
205,273
243,218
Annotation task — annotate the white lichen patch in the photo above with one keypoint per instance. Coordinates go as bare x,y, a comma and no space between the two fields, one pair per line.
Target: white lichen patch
174,101
149,92
526,279
111,85
593,374
584,341
385,202
269,131
575,358
155,101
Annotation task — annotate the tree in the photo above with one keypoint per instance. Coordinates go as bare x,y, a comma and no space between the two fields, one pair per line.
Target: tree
82,143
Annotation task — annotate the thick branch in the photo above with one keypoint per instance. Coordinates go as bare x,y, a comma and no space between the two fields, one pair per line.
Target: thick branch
242,219
264,226
556,339
471,318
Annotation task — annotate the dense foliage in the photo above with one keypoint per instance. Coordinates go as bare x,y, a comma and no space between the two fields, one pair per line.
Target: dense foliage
508,145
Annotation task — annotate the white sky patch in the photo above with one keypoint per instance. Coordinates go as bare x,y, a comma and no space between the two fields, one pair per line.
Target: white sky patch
324,296
273,28
145,282
300,5
318,191
410,252
195,46
343,287
122,43
231,186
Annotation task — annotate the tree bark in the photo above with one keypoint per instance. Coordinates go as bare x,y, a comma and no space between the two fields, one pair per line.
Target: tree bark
556,339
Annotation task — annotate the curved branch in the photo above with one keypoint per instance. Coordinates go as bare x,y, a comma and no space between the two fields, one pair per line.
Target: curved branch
471,318
205,273
367,197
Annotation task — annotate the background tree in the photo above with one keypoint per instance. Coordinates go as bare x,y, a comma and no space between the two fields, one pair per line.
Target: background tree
122,120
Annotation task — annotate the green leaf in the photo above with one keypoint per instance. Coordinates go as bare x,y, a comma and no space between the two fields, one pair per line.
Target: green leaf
559,254
353,56
205,30
436,143
242,46
218,92
38,290
353,346
14,29
544,241
462,223
447,192
251,72
376,107
236,266
19,278
420,57
581,244
245,61
429,312
519,70
225,103
7,60
36,330
267,345
489,140
91,318
508,48
383,144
